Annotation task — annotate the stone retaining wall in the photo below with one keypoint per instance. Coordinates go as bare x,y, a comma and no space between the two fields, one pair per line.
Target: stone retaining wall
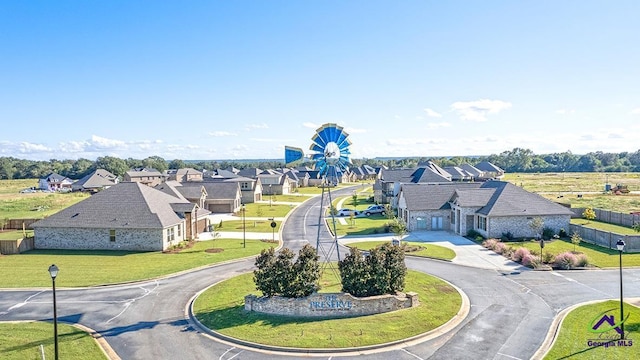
330,304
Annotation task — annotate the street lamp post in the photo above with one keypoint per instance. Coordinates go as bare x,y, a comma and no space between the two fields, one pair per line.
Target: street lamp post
270,196
541,247
620,245
244,228
53,271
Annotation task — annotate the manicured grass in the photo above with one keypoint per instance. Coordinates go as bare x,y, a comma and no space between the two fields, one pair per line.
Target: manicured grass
22,340
221,308
297,198
427,250
264,210
597,255
310,190
574,335
361,225
14,234
593,224
251,226
78,268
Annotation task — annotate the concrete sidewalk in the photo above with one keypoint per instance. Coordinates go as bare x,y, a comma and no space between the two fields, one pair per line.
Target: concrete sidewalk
467,252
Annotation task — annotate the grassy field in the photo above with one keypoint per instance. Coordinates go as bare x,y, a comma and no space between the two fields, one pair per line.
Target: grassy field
426,250
12,187
605,226
565,187
221,308
574,335
295,198
597,255
374,224
264,210
19,341
78,268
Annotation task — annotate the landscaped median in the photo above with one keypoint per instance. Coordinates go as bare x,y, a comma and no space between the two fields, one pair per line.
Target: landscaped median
411,248
221,309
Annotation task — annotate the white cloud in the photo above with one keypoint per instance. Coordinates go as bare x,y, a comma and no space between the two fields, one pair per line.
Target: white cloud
222,133
351,130
438,125
432,113
27,147
310,125
479,109
565,111
99,142
635,111
256,126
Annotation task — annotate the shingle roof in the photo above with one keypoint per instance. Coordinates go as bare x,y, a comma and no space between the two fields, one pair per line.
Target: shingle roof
217,190
487,166
170,187
474,171
144,173
428,175
510,200
473,197
226,174
97,179
250,172
125,205
425,196
397,175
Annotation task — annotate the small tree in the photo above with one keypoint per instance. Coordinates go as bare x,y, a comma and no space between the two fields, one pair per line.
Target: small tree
399,227
388,210
278,275
383,271
537,224
263,277
575,240
589,214
354,199
353,273
636,227
306,271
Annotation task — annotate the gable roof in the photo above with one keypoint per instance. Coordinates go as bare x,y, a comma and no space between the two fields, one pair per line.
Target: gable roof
170,187
511,200
396,175
487,166
226,174
144,172
56,178
425,196
474,171
129,205
472,197
429,175
218,190
97,179
250,172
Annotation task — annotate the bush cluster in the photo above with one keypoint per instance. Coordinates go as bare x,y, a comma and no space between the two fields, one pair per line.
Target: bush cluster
279,275
383,271
568,260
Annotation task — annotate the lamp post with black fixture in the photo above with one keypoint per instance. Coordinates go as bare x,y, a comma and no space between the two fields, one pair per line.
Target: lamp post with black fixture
620,245
244,228
53,271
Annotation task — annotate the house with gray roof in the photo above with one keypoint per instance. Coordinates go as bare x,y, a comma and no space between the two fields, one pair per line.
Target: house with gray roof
458,173
491,208
389,181
97,180
490,171
474,172
147,176
55,182
251,189
184,174
222,196
126,216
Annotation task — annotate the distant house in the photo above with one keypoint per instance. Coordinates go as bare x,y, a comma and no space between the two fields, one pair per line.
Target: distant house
222,196
184,174
147,176
251,189
490,171
126,216
474,172
458,173
275,183
491,208
55,182
388,182
99,179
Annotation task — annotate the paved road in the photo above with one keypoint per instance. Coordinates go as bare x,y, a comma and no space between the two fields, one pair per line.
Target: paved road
510,310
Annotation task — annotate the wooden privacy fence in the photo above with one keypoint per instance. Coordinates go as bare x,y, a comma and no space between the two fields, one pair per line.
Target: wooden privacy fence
16,224
11,247
611,217
606,238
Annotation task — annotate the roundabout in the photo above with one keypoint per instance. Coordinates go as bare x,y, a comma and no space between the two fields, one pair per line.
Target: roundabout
219,311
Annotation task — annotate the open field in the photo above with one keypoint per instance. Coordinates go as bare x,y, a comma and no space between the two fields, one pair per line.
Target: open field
22,340
565,188
221,308
574,335
78,267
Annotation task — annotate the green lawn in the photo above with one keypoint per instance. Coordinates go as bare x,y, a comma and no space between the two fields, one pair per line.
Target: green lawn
574,335
12,187
221,308
597,255
593,224
374,224
14,234
22,340
427,250
79,268
264,210
251,226
296,198
36,205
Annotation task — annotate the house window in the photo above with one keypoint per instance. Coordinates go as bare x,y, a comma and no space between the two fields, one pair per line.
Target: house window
244,186
170,234
453,217
179,230
112,235
482,223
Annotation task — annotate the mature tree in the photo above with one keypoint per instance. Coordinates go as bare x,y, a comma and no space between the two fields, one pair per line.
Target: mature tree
114,165
155,162
306,272
278,275
383,271
264,276
81,168
354,274
177,164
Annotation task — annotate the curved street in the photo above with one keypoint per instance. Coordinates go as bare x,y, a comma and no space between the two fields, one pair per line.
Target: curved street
511,310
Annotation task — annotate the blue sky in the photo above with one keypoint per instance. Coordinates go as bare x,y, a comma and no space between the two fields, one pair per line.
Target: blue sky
242,79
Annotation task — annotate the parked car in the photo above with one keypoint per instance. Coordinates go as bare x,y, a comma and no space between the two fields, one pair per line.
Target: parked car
375,209
347,212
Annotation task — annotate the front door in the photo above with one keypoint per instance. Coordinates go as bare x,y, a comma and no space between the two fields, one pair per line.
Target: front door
436,223
421,223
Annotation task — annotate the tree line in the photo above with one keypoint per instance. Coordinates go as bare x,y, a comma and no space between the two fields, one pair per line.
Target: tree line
515,160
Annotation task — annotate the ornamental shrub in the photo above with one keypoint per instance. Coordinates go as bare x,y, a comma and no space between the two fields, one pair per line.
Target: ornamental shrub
383,271
490,243
547,257
279,275
520,253
530,259
565,260
548,233
508,252
499,247
582,260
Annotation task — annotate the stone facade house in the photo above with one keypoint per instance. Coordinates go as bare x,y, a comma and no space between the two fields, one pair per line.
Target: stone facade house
98,180
491,208
126,216
251,189
147,176
222,196
184,175
387,185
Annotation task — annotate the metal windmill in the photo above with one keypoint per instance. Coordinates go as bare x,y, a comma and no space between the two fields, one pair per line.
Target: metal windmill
330,152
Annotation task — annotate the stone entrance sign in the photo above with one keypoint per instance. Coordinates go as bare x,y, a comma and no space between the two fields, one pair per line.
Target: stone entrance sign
330,304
